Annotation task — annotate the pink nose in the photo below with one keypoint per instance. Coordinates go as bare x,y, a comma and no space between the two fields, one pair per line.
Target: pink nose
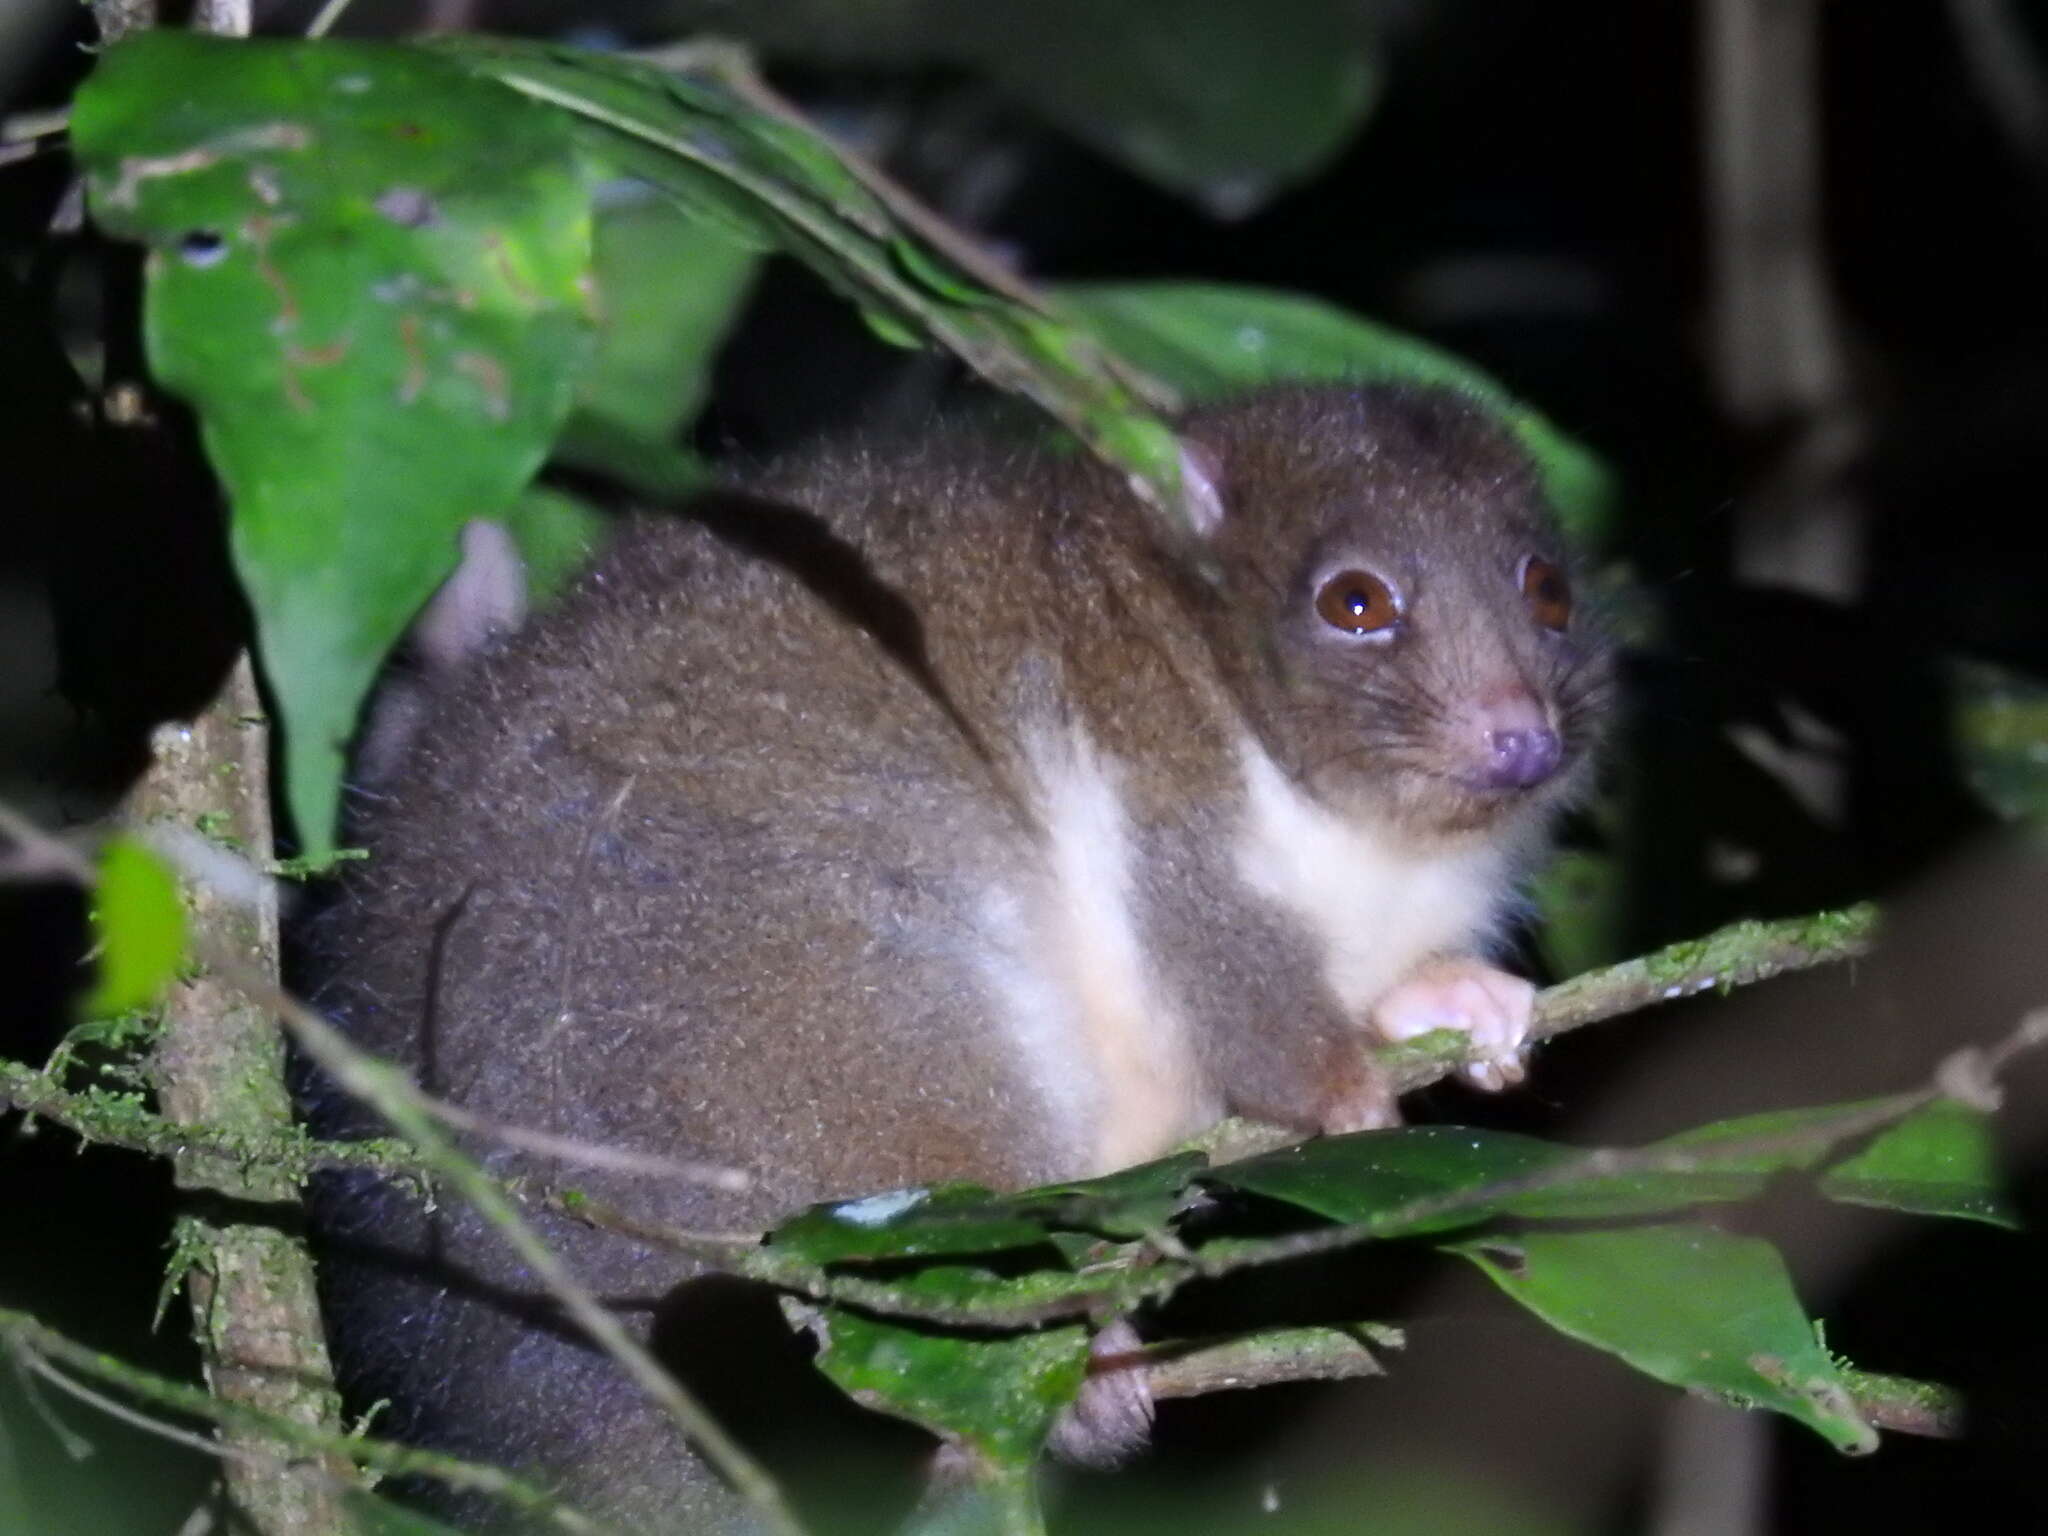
1510,740
1521,758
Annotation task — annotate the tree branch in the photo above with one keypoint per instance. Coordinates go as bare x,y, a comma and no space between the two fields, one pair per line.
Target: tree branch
1735,956
219,1062
1177,1369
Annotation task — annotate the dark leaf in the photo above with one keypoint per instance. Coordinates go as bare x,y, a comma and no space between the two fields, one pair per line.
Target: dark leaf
1687,1304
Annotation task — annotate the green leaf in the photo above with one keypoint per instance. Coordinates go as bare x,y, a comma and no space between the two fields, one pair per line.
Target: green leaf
556,534
141,921
1223,102
1421,1179
1938,1162
2000,720
1027,1291
1933,1159
957,1219
369,273
1127,1204
995,1394
670,286
1582,899
1373,1175
1777,1140
1213,341
1687,1304
909,1223
371,1514
698,140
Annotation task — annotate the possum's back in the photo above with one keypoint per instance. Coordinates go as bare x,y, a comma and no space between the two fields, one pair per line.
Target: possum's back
702,864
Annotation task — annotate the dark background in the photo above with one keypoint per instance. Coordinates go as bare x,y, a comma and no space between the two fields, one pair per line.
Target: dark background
1531,190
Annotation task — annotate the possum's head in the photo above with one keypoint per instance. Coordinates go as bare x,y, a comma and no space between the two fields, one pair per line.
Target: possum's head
1401,606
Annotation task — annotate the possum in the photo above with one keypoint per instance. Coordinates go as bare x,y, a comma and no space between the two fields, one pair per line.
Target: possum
908,814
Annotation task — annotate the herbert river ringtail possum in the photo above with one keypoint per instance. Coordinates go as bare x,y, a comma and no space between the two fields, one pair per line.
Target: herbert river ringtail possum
931,815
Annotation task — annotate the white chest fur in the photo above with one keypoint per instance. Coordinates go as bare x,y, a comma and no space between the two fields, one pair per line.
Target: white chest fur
1105,1040
1378,906
1102,1036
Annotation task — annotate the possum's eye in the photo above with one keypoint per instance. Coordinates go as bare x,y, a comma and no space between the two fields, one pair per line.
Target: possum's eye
1359,603
1547,592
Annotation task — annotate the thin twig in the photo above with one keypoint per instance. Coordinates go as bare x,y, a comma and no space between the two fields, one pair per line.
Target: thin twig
568,1149
1193,1369
35,1345
1114,1290
1730,957
135,1419
1905,1406
387,1090
326,17
1735,956
384,1088
1969,1075
38,854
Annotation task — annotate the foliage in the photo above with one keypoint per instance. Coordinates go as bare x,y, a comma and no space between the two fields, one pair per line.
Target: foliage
1221,103
374,274
142,926
395,281
1555,1227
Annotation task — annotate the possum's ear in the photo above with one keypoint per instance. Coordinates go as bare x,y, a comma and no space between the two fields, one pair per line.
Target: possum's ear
1201,485
484,600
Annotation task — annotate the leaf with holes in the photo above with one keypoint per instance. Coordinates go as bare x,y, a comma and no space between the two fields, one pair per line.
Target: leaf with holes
370,273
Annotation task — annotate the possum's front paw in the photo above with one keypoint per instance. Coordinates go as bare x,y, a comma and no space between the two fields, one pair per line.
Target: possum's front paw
1475,999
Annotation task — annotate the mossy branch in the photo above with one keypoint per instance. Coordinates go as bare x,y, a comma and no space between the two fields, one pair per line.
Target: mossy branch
1728,958
121,1118
1735,956
219,1062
